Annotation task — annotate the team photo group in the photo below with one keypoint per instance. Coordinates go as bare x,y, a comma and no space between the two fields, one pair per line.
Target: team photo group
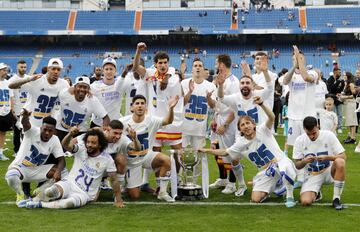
71,141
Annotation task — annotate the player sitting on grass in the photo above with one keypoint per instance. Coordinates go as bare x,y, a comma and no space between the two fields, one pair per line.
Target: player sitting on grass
81,186
259,146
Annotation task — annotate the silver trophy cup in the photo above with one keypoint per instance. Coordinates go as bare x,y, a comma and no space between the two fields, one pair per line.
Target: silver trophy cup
190,161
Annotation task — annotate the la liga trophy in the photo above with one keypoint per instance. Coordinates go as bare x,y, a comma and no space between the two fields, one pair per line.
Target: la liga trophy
194,168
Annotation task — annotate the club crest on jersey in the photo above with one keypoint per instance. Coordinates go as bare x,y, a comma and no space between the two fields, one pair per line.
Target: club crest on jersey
67,104
42,89
239,106
85,110
326,146
305,148
97,165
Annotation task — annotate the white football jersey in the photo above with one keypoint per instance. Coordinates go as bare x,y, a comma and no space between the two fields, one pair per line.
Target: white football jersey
42,98
88,171
5,97
131,88
145,130
196,110
320,92
302,96
110,96
259,79
157,99
260,151
34,152
74,113
325,144
328,119
20,97
242,106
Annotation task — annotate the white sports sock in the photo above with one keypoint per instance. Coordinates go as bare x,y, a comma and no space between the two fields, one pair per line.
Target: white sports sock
121,179
338,188
238,171
146,175
60,204
13,179
163,181
289,190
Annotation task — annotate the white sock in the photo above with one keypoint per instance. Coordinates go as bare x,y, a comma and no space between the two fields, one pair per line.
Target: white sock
239,173
60,204
163,182
121,179
146,175
338,188
13,179
289,190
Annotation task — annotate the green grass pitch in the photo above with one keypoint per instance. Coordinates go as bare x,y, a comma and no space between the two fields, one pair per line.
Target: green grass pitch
190,217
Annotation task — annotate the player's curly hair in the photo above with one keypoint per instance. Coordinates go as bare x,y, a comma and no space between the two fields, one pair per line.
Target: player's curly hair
101,138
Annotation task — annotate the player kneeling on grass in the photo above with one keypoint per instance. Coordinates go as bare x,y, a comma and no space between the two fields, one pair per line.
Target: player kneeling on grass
36,147
323,157
146,126
259,146
91,163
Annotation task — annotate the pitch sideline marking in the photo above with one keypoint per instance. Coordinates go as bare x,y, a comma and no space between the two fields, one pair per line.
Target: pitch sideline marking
197,203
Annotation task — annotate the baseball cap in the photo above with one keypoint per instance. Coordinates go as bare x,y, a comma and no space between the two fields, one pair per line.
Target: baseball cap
55,62
109,60
3,65
82,79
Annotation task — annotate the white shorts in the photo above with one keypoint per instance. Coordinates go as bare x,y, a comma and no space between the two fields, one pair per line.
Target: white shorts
134,177
265,183
194,141
142,161
72,190
295,130
313,183
33,174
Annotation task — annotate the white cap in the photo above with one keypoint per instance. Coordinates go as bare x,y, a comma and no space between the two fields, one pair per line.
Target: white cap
109,60
82,79
3,65
55,62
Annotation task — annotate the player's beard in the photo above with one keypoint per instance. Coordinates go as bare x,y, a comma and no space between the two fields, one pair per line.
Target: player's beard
91,151
245,91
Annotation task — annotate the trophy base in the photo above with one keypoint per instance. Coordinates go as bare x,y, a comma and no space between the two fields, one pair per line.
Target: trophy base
193,193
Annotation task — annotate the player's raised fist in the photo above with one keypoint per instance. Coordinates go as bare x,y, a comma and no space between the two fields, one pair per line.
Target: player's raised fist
141,46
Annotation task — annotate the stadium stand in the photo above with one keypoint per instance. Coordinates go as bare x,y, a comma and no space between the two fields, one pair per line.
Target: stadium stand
196,19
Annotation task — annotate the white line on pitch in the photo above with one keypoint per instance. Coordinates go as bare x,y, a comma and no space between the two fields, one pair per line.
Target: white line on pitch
197,203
